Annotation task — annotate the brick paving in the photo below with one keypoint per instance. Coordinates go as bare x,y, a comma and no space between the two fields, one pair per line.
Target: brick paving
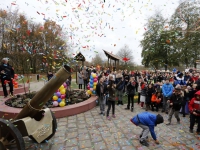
91,131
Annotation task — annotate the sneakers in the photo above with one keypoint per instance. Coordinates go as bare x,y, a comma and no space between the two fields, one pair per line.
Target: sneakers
108,118
103,114
100,113
113,116
191,131
144,143
126,108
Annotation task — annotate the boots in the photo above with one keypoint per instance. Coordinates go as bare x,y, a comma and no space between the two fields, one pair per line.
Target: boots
147,107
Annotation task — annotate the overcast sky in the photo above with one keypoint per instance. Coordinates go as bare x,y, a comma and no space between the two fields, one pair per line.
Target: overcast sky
95,24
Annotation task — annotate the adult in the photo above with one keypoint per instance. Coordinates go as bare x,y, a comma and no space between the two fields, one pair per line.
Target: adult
80,79
49,75
131,93
7,74
119,90
139,89
101,93
126,79
167,90
85,76
147,121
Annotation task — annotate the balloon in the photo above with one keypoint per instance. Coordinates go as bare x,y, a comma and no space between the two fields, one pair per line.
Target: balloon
55,103
62,96
91,85
15,86
93,92
94,75
95,83
61,87
55,98
63,91
91,89
94,88
15,76
88,87
59,100
62,104
63,100
89,92
91,78
91,82
65,85
95,80
58,94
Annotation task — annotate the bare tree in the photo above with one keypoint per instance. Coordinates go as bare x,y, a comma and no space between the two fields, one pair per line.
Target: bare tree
126,53
97,60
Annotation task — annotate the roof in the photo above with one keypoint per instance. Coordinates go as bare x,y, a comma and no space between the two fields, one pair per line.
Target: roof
79,57
114,57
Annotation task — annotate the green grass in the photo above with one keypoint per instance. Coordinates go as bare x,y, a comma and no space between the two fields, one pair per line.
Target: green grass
74,85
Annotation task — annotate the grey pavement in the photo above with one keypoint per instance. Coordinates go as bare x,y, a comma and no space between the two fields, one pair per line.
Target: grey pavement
91,131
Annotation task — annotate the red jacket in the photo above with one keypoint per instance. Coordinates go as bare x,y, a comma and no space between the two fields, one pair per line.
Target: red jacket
195,104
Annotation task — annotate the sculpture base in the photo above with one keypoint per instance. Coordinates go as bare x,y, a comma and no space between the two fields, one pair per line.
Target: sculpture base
7,112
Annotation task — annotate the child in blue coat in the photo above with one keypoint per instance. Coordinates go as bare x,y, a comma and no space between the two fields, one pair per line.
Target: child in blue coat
147,121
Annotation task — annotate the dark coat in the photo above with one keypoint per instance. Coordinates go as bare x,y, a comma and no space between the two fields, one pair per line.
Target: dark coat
177,101
8,72
111,91
150,91
98,89
131,88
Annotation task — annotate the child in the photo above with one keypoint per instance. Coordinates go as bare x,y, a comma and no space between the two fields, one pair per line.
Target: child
111,99
155,100
143,94
175,103
147,121
194,107
150,91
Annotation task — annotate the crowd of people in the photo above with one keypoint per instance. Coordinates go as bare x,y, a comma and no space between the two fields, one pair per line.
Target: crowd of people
170,92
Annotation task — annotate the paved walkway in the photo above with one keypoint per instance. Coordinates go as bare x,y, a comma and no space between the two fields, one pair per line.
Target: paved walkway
91,131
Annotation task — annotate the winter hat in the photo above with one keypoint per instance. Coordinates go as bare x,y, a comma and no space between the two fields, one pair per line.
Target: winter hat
159,119
178,87
5,59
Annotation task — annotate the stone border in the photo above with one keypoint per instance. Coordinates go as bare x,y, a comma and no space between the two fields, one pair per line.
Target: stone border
7,112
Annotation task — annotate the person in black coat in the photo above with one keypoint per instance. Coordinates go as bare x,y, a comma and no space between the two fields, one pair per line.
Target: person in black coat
101,90
150,91
131,93
7,74
175,102
49,75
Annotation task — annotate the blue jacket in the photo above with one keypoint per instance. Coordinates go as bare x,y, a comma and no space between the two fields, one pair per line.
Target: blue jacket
167,89
147,119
